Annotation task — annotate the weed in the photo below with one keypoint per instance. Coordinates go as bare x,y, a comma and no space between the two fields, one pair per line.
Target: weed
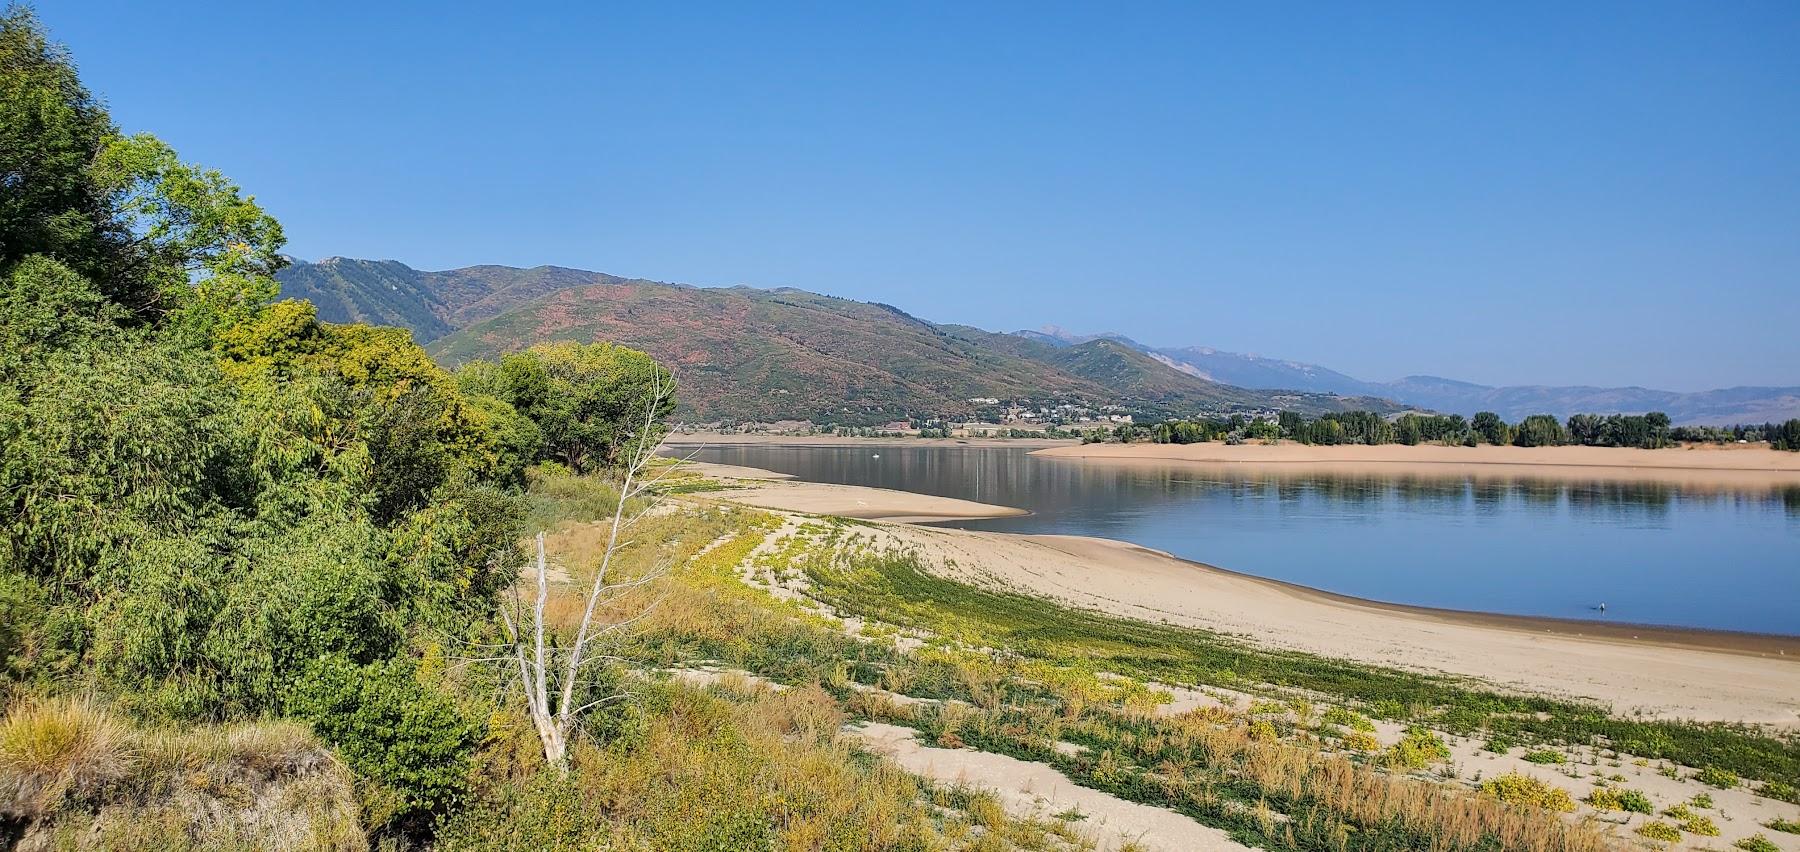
1520,789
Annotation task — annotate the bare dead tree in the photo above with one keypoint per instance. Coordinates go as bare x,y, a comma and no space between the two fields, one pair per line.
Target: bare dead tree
554,676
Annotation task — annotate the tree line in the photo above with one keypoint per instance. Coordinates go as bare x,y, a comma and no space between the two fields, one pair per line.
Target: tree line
219,507
1648,431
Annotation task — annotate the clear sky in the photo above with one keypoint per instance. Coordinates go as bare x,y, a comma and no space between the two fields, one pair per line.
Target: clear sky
1546,193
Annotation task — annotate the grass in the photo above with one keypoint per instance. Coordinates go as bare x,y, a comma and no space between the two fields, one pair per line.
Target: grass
79,776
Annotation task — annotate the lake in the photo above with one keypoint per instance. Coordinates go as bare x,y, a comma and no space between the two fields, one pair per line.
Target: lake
1654,553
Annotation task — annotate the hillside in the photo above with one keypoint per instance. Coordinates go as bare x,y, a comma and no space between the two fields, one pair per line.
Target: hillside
432,304
766,355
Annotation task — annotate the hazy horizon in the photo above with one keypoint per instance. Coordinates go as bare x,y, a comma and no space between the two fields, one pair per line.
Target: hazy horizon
1604,196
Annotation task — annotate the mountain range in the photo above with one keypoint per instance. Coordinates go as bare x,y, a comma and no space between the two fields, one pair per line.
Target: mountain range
747,354
1512,403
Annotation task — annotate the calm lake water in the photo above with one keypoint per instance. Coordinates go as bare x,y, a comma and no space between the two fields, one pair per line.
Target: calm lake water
1655,553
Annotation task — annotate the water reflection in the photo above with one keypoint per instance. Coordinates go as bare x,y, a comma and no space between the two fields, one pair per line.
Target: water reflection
1686,552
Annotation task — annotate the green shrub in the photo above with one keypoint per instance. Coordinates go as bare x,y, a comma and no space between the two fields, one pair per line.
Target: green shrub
1348,718
1757,843
1499,744
1418,749
1526,790
1702,800
1779,790
1546,756
1660,831
1700,824
407,738
1723,778
1619,799
1788,826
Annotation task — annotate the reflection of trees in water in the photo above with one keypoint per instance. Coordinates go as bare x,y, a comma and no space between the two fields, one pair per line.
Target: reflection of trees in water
1009,476
1486,493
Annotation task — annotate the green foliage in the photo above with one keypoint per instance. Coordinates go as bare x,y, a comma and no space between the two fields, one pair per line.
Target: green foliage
407,738
1779,790
1526,790
1757,843
1418,749
1545,756
1619,799
1718,777
1659,830
1788,826
584,402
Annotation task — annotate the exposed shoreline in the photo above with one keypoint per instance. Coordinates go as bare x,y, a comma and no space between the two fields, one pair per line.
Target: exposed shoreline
1666,672
1750,467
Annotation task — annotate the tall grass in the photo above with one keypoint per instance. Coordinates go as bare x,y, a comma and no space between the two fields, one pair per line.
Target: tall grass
76,776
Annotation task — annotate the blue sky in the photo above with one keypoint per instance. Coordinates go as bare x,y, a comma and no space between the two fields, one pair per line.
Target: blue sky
1509,193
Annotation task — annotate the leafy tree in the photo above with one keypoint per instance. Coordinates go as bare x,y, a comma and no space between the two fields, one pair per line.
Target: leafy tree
1490,428
1540,430
582,398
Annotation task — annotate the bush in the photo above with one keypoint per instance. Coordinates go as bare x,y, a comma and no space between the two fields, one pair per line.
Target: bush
1788,826
1658,830
1546,756
1700,824
407,738
1520,789
1418,749
1757,843
1361,741
1619,799
1717,777
1779,790
1348,718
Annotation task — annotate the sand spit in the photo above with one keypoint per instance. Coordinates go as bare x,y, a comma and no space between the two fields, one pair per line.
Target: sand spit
1753,467
854,501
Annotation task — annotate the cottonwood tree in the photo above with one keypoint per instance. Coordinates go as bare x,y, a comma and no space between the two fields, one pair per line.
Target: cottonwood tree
557,678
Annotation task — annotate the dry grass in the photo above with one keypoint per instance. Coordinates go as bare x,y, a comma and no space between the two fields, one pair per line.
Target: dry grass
78,777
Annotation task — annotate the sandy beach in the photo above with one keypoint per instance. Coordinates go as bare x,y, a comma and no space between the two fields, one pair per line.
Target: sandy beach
1660,672
770,490
1750,466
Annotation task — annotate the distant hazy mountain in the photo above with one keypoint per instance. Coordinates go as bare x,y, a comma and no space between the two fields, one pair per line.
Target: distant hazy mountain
764,355
1728,405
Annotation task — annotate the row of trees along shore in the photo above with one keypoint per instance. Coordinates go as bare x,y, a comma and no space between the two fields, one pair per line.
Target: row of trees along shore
218,508
1649,431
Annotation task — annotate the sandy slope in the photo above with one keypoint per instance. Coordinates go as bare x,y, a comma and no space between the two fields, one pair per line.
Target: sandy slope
854,501
1667,673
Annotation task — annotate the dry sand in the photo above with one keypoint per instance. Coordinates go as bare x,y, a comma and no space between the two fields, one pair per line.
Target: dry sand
1661,672
854,501
1751,467
1039,790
